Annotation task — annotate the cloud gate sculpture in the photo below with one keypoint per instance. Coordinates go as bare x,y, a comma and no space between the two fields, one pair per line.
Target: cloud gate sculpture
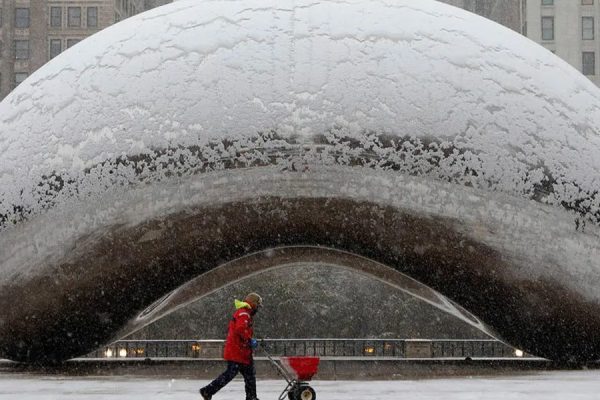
207,140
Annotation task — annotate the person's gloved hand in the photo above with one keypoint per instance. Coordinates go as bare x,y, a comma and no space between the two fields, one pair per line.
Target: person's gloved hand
253,343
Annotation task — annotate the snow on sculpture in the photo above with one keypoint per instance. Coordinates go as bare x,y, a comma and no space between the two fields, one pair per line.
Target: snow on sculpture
465,133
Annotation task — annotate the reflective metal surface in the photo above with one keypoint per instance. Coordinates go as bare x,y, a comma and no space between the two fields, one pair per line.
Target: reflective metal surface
412,135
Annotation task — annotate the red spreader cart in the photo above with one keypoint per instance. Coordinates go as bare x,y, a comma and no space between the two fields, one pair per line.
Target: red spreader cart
297,371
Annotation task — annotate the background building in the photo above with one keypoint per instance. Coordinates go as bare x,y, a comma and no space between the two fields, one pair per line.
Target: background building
34,31
565,27
148,4
568,29
506,12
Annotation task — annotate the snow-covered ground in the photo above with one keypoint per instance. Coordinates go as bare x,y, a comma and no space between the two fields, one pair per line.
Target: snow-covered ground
547,385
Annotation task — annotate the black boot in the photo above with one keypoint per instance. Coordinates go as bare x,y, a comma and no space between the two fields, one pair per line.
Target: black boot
205,395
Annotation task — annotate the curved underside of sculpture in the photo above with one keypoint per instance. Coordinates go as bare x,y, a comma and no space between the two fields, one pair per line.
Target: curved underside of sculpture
490,261
211,136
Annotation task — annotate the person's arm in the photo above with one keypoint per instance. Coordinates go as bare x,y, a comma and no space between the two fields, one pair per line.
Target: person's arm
243,326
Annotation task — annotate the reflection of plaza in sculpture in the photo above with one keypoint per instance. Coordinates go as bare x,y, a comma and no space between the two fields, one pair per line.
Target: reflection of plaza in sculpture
202,134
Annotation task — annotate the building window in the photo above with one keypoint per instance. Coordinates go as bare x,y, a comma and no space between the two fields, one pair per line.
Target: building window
92,17
587,2
56,17
587,28
72,42
74,14
547,2
589,63
21,18
20,77
21,49
55,47
547,28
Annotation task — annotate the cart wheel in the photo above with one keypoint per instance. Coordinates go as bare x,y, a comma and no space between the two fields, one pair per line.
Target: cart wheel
305,393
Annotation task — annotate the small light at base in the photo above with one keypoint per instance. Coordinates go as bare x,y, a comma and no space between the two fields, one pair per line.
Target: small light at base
108,353
369,350
519,353
123,353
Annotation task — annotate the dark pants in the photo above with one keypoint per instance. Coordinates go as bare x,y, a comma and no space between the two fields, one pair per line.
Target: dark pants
248,372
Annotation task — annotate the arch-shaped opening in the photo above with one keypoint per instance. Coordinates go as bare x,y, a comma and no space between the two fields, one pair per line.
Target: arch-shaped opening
288,258
307,300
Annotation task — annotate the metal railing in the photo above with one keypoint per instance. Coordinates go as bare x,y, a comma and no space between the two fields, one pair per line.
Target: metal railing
325,348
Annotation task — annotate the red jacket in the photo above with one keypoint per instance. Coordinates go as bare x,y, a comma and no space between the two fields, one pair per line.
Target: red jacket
237,346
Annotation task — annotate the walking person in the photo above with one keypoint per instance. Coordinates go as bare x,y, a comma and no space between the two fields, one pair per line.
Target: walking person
238,349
